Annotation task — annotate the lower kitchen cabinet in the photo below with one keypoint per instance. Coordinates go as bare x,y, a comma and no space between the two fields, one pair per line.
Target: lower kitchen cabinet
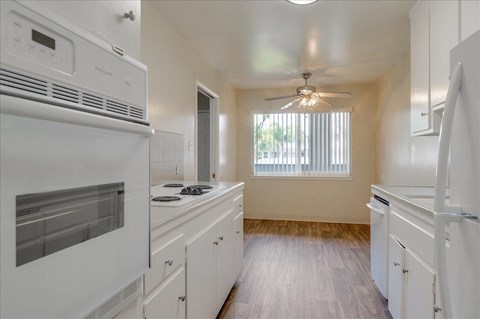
238,241
210,268
410,284
411,276
395,278
419,287
225,262
202,275
168,301
196,258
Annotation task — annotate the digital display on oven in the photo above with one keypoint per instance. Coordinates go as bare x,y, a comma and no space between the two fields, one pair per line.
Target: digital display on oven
43,39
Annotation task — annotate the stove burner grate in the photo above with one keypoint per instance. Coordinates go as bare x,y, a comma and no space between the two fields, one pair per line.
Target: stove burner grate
173,185
201,186
165,198
189,190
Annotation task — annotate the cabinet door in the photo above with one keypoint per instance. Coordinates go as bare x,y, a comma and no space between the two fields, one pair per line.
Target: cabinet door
238,249
395,278
225,258
201,275
443,37
169,301
419,42
419,297
470,17
164,261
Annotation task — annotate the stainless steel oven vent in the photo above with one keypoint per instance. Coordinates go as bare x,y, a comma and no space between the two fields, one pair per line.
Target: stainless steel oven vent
29,86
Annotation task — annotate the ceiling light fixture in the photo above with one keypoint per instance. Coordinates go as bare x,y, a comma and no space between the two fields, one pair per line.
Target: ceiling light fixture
302,2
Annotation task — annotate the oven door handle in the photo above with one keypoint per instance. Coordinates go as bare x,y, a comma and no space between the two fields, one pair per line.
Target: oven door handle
27,108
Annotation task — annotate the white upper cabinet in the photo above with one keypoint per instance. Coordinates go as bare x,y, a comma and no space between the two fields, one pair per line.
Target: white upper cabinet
434,30
420,49
443,38
470,17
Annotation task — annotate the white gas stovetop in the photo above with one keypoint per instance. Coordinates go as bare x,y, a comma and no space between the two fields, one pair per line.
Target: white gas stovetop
181,193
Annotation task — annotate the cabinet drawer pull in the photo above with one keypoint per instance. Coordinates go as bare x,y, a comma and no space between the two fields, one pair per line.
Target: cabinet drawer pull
181,298
221,237
422,114
215,243
240,205
237,231
396,264
169,262
404,271
437,309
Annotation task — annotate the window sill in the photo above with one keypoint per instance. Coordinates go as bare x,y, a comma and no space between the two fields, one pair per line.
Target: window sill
303,177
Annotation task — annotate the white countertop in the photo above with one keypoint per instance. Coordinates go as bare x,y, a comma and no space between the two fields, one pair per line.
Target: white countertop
419,197
164,214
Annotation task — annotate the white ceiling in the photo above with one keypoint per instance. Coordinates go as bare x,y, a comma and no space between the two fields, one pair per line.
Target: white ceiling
267,44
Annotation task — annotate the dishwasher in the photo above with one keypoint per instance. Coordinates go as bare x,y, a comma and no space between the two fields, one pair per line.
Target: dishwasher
379,208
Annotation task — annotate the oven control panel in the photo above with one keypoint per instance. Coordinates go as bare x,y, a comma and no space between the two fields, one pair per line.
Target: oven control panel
30,40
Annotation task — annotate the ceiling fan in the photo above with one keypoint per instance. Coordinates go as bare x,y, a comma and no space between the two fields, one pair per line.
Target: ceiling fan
307,99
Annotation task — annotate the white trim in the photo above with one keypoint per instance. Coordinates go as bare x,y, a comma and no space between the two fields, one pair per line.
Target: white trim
304,218
214,146
348,109
300,177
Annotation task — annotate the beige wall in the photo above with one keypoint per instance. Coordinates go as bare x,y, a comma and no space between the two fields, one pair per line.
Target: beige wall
401,159
174,68
316,200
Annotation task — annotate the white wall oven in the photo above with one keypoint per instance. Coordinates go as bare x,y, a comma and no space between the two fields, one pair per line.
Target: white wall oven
74,164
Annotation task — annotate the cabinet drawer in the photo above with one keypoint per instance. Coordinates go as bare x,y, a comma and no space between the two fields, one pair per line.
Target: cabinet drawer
412,236
165,260
238,202
169,300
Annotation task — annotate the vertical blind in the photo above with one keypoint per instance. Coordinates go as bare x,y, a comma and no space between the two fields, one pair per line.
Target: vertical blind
302,144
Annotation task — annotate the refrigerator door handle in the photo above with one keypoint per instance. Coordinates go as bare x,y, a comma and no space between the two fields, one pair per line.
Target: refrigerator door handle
445,135
441,217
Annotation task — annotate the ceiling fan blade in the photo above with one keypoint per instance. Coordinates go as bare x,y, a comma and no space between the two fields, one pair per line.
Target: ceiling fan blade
280,97
334,94
290,103
325,101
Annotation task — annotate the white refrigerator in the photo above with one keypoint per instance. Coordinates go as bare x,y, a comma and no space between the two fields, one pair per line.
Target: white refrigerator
458,265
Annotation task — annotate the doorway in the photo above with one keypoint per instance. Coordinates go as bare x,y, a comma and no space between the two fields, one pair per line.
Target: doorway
206,134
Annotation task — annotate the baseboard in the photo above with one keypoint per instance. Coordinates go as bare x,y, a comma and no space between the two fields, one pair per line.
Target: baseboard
321,219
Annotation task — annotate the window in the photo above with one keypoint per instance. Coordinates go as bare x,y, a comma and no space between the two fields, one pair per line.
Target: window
304,144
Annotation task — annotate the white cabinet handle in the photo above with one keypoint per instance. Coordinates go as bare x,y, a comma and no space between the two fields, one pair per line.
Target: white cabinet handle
237,231
169,262
396,264
375,209
215,243
181,298
422,114
221,237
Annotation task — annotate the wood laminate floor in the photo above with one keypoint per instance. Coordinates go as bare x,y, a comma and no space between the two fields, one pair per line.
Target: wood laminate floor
305,270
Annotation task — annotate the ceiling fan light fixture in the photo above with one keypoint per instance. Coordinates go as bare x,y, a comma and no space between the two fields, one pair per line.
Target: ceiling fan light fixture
306,90
307,102
302,2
